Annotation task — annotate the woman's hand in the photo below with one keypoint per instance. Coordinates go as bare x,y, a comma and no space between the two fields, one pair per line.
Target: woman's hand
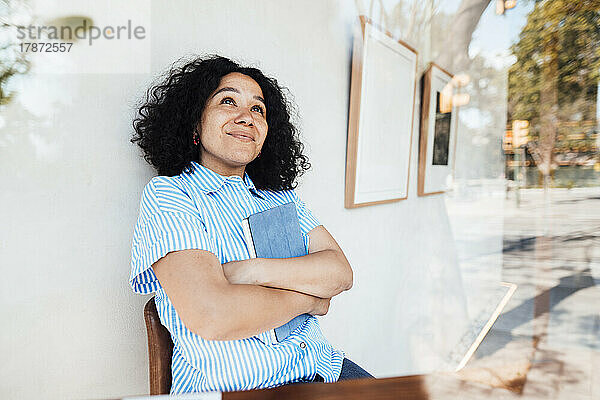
321,306
240,272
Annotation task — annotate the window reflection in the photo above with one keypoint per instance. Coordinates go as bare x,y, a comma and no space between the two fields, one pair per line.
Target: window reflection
525,200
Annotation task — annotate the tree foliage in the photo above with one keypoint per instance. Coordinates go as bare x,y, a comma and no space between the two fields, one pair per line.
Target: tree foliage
554,80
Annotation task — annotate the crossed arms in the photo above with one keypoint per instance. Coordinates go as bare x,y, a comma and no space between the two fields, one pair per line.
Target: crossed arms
244,298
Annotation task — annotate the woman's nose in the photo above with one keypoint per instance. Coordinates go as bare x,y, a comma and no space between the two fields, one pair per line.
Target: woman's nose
244,117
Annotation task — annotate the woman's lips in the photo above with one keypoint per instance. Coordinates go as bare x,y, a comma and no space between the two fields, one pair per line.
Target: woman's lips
242,136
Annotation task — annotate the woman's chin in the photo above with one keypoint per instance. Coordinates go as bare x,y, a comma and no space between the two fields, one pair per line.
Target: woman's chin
243,159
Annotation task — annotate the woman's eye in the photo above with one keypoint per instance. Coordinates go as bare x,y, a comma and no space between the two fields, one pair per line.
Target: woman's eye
258,109
228,100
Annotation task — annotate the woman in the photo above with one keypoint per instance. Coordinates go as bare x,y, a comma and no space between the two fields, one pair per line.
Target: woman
222,142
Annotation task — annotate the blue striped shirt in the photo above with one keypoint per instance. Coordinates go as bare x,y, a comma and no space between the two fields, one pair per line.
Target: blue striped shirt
204,210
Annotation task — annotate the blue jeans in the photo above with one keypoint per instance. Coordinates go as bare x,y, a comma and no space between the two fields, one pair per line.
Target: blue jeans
352,371
349,371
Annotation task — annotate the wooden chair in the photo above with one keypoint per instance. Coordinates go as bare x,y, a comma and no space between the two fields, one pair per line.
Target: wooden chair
160,351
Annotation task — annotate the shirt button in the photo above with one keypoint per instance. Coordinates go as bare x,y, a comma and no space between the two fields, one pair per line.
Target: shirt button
302,345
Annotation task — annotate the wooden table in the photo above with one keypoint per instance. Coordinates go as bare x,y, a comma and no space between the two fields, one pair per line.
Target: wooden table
417,387
410,387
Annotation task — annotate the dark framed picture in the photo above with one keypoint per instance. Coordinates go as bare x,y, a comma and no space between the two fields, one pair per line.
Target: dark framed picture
437,142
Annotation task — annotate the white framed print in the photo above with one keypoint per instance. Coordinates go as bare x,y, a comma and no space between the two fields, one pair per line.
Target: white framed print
382,106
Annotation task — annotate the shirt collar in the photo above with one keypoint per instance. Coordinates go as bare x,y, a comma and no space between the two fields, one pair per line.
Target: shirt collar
209,181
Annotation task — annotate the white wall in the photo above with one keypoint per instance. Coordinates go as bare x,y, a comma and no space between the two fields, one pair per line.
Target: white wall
71,185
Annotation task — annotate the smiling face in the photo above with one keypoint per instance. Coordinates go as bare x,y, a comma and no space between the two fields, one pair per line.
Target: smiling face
233,126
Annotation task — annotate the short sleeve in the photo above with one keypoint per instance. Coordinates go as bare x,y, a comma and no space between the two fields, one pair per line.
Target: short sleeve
168,221
307,220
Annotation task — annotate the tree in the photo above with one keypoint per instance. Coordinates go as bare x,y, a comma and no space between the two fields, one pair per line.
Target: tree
555,77
455,54
412,20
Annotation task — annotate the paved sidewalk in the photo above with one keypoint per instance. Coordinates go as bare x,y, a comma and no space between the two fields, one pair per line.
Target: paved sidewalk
546,343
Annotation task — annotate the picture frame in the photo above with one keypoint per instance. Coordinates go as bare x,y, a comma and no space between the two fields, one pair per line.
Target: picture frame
437,141
381,115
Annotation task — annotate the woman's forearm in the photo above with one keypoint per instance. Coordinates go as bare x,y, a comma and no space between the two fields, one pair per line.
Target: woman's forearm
247,310
323,274
215,309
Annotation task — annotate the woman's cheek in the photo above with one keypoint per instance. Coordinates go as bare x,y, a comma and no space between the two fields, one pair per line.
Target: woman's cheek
264,128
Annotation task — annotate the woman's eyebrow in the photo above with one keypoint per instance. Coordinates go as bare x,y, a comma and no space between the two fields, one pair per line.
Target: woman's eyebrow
231,89
225,89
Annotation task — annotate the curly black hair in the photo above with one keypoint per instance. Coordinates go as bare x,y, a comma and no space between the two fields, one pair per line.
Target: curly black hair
165,123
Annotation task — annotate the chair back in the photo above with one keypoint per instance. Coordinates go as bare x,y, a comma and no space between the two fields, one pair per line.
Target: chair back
160,351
